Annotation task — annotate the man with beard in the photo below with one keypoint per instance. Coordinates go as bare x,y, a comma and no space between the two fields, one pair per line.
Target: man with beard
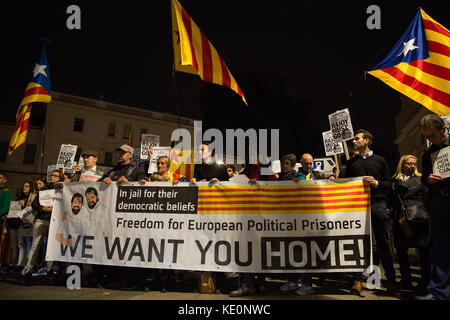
91,197
76,203
125,171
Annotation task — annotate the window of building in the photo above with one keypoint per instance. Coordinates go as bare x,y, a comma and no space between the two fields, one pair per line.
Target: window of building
126,132
4,145
111,130
78,125
108,158
30,153
143,131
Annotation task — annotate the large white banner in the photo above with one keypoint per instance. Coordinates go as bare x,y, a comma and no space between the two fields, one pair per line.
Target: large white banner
309,226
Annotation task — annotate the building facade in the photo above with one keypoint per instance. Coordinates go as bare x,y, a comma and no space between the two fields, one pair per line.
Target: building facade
91,125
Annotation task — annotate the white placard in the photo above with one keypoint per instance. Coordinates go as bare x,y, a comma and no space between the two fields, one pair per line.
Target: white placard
441,162
14,209
239,178
66,157
341,125
331,146
147,141
158,152
276,166
47,197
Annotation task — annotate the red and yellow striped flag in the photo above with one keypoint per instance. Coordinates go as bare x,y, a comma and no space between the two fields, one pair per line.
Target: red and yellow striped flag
419,64
38,90
130,138
292,199
180,166
195,54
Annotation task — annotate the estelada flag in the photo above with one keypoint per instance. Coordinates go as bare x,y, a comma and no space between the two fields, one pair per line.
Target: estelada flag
38,90
419,64
182,164
193,53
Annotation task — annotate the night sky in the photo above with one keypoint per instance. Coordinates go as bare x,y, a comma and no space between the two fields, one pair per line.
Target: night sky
317,50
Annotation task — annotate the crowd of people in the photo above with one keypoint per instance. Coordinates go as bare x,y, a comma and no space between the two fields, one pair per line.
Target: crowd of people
409,207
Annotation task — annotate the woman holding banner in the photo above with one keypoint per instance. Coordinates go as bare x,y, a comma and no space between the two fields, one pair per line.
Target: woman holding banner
411,225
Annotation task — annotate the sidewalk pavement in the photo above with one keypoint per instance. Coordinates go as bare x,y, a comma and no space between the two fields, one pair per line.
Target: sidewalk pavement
335,288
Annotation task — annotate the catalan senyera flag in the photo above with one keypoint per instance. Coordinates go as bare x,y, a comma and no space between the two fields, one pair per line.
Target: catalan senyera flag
193,53
38,90
179,164
130,138
419,64
292,199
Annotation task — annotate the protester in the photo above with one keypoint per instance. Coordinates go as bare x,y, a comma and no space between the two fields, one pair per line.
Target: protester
409,199
376,173
253,283
163,165
26,228
13,227
5,200
209,169
305,172
40,229
231,170
90,171
124,171
434,130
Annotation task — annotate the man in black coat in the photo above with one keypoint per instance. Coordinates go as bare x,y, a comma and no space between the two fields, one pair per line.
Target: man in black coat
433,128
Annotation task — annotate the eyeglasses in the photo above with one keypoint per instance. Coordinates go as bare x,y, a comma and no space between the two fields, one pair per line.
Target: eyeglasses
55,175
411,163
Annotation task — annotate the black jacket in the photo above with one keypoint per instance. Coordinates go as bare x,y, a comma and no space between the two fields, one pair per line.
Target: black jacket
209,171
38,208
129,171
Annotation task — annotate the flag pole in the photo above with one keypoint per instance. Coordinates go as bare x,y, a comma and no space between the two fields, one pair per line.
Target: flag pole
45,41
174,81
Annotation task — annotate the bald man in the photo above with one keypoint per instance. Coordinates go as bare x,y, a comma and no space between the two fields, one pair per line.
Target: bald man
306,288
306,172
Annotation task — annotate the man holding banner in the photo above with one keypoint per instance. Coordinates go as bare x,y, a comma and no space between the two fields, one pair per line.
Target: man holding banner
433,128
376,173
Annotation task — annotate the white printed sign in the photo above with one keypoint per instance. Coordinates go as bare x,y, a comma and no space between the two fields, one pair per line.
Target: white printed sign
158,152
66,157
341,125
276,166
147,141
331,146
47,197
14,209
441,162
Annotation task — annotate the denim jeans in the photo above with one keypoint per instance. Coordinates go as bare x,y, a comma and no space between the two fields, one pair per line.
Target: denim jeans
40,230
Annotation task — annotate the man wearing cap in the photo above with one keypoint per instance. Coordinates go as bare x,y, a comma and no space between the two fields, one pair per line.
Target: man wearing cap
90,172
124,171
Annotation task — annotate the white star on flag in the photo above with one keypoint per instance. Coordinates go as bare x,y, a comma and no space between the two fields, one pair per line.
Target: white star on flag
39,69
408,46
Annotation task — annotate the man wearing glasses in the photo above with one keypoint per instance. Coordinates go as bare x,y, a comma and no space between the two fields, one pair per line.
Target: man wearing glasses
434,130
